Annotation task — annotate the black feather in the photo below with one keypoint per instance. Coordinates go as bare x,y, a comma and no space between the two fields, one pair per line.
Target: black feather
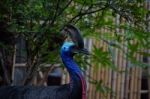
35,92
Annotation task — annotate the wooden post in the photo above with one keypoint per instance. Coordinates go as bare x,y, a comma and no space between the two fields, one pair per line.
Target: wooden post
132,71
14,61
139,78
149,75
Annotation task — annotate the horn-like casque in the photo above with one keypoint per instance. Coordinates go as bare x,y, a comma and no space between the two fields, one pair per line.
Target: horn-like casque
75,35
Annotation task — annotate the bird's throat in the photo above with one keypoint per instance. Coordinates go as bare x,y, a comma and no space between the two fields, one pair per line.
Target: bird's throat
77,82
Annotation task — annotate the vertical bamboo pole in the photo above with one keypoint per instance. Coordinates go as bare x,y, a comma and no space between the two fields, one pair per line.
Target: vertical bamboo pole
135,83
132,72
139,74
109,82
89,46
90,85
126,85
102,76
123,65
94,88
119,59
123,80
94,77
127,72
99,78
126,81
63,78
114,77
149,73
90,77
14,61
104,79
107,77
149,78
148,7
139,83
101,70
111,72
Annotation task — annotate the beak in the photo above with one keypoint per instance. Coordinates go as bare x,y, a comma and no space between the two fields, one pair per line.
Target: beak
83,51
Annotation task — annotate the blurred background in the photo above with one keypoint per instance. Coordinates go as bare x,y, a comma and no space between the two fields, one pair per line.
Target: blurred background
116,32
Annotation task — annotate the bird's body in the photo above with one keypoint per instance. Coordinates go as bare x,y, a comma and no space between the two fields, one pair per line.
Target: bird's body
74,90
34,92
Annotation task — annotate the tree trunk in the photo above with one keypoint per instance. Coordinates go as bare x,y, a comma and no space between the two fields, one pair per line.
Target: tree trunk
7,49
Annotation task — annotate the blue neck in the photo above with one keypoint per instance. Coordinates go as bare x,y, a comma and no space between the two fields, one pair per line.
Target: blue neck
78,83
73,70
70,64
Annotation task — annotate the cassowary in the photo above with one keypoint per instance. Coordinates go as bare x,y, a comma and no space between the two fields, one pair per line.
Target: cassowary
76,89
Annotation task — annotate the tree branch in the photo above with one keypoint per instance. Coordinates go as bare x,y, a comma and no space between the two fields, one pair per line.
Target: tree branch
65,7
122,13
55,15
86,13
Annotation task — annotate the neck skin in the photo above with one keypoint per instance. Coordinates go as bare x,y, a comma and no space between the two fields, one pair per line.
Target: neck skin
77,80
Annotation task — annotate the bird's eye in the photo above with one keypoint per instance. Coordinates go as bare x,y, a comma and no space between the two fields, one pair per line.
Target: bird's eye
64,47
74,47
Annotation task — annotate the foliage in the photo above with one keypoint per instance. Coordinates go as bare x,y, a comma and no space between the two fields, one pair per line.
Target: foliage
40,23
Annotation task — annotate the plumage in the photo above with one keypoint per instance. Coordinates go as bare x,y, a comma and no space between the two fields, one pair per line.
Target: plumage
32,92
76,89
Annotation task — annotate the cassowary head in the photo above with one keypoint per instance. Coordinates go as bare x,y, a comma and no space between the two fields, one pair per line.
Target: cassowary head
76,45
